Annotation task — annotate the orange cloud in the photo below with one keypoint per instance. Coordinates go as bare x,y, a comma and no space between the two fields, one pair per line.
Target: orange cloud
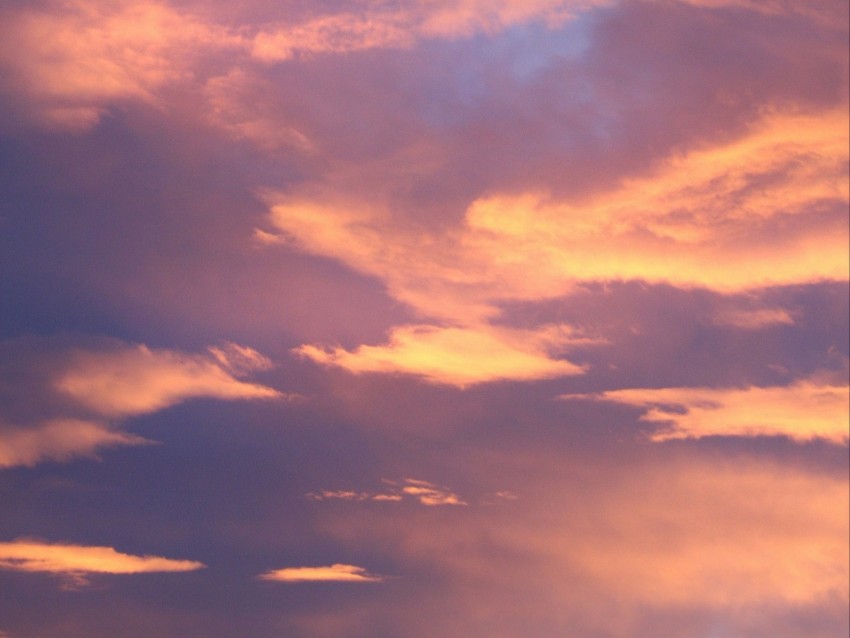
58,440
763,209
696,538
332,573
136,379
456,356
72,59
686,533
732,217
802,411
76,561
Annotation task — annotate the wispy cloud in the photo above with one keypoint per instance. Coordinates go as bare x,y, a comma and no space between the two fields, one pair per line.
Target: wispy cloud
135,379
337,572
79,396
76,562
424,492
802,411
753,319
59,440
764,208
458,356
404,25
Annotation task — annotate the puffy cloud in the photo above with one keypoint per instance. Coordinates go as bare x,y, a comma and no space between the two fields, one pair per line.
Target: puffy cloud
332,573
802,411
76,562
457,356
58,440
135,379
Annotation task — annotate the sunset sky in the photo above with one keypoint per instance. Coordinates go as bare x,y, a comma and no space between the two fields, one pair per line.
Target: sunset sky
424,319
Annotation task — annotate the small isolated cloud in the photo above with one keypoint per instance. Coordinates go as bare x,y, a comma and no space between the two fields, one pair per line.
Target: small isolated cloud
76,562
424,492
135,379
430,494
802,411
337,572
456,356
59,440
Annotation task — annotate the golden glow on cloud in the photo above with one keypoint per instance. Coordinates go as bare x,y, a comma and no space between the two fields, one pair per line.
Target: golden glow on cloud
337,572
58,440
136,380
456,356
75,561
759,210
679,533
724,537
801,411
72,59
113,382
730,217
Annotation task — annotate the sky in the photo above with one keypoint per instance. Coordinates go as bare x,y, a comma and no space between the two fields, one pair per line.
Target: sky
405,319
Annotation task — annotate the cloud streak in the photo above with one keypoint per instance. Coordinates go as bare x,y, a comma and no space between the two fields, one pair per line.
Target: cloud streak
424,492
79,396
76,562
802,411
59,440
336,573
136,380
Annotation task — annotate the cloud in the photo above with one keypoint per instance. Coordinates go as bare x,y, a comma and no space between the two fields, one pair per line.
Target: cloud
59,440
430,494
135,380
664,540
332,573
766,207
456,356
244,105
755,211
402,27
802,411
71,60
424,492
75,562
64,401
753,319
